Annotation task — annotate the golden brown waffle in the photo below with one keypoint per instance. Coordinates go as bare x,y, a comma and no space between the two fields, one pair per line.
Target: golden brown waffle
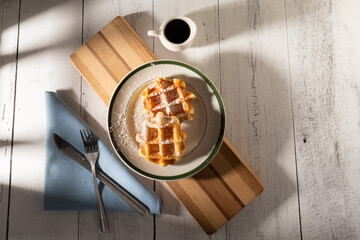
169,97
161,140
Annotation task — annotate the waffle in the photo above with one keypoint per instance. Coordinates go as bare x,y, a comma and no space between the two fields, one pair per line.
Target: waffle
169,97
161,140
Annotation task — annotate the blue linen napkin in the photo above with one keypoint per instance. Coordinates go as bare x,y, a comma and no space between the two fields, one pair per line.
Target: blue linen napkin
68,186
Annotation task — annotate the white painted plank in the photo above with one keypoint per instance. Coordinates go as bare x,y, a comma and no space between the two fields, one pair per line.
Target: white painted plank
93,111
9,12
127,226
175,222
49,32
255,87
324,53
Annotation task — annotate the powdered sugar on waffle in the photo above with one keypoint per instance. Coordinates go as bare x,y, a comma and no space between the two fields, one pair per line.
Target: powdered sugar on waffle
130,122
170,97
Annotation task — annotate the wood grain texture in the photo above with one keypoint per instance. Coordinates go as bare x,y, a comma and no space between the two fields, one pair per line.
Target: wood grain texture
40,67
242,46
176,222
9,12
253,50
324,59
102,57
217,193
93,111
97,73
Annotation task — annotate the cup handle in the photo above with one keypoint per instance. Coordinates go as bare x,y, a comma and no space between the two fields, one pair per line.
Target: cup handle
153,33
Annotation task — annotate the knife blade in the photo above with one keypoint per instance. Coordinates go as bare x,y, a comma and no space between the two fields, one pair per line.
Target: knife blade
68,150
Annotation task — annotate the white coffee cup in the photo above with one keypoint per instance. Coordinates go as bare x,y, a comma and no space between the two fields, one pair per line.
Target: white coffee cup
176,33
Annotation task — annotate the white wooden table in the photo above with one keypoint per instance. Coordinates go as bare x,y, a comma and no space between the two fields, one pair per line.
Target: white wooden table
288,72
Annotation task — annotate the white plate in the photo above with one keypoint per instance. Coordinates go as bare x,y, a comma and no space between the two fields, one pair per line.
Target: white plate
204,133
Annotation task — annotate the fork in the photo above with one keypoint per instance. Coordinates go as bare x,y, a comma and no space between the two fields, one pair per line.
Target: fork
92,155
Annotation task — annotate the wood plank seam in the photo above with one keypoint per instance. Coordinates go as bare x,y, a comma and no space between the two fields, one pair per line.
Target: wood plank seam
138,51
233,179
138,37
215,201
114,51
88,76
245,175
229,147
227,186
201,219
93,51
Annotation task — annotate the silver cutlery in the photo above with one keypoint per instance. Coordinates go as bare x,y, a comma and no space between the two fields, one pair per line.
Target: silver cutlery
92,155
71,152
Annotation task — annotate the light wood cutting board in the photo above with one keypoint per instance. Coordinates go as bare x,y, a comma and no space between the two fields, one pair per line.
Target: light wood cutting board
212,196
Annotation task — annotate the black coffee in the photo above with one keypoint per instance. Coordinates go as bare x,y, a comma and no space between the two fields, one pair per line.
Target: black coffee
177,31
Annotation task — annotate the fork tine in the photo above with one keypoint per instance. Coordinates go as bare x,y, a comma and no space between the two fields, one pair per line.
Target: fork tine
90,133
89,140
93,140
82,136
86,134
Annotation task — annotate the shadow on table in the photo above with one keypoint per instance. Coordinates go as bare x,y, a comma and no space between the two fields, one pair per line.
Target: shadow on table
28,220
266,139
251,13
262,127
261,137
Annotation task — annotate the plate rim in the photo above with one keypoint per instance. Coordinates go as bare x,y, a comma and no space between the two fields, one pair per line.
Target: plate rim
218,141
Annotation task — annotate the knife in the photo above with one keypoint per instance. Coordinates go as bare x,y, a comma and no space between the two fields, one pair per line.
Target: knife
71,152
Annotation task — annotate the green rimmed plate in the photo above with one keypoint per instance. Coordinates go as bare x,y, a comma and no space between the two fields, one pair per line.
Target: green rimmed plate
204,133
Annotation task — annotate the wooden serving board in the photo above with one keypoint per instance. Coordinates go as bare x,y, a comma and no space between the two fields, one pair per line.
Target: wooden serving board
212,196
